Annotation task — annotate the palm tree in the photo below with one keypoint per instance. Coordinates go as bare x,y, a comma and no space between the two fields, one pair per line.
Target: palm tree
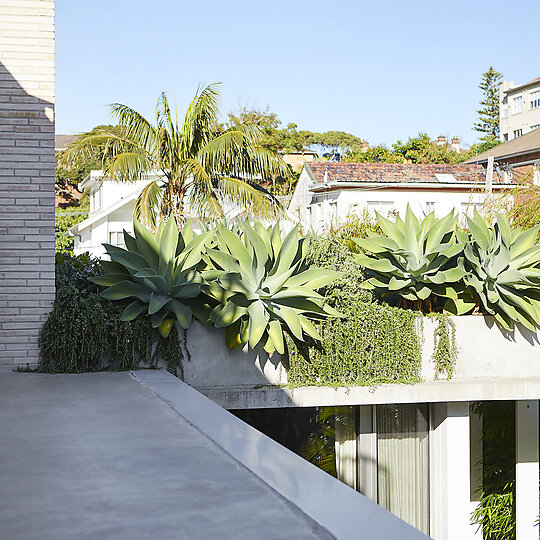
199,164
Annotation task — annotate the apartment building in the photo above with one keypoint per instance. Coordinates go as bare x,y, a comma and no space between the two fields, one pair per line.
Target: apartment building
519,109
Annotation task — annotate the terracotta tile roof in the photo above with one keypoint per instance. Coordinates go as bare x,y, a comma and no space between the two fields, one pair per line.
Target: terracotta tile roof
393,172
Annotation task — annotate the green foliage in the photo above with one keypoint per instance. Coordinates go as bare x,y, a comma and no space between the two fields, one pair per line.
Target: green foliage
84,331
354,226
262,287
444,347
374,154
371,344
415,264
421,149
504,271
158,271
63,220
488,114
200,166
495,513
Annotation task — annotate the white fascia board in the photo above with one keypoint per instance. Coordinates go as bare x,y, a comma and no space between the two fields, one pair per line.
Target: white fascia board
316,188
96,216
91,179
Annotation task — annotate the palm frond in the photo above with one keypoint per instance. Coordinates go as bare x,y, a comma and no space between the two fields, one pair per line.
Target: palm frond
136,127
254,198
128,166
201,115
218,151
148,204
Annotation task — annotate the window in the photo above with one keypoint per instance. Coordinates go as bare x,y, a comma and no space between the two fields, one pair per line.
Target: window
467,208
333,211
430,207
518,133
517,103
116,238
535,99
95,200
505,137
385,208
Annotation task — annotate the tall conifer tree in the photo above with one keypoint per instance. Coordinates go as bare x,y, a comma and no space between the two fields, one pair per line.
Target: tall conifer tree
488,114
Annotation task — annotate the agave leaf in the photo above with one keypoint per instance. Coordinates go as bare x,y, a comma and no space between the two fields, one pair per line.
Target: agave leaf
182,312
156,302
159,283
187,290
314,278
287,253
129,259
309,328
290,317
130,241
275,333
292,292
233,337
229,314
165,327
107,279
258,320
156,320
147,246
126,289
133,311
167,244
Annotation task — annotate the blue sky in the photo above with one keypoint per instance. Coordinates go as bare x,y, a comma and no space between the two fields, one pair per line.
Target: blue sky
380,70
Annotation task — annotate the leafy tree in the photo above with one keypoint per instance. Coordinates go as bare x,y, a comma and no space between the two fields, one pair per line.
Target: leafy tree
374,154
199,165
421,149
488,114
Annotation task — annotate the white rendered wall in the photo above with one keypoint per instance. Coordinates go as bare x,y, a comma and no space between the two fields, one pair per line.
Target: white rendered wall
449,472
526,470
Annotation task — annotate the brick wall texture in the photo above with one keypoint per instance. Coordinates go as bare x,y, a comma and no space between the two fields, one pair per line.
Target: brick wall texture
26,176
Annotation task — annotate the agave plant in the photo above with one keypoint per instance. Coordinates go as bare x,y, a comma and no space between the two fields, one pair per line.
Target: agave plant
504,270
417,261
159,272
260,287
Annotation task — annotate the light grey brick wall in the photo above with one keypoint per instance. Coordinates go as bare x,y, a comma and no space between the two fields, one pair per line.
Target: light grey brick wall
26,176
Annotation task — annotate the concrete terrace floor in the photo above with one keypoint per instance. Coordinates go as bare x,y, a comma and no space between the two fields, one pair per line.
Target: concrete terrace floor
99,456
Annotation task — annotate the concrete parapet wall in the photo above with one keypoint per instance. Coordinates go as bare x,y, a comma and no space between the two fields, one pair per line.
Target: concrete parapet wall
26,176
490,365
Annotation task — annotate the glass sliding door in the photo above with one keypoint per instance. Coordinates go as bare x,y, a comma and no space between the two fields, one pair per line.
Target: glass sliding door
403,462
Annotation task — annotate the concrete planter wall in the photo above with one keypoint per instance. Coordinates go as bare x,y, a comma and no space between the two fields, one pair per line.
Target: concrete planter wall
483,352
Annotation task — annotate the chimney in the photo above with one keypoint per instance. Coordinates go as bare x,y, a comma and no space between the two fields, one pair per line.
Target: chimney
364,147
455,144
441,140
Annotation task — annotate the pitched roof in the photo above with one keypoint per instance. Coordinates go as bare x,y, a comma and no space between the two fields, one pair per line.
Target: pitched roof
323,172
530,142
62,141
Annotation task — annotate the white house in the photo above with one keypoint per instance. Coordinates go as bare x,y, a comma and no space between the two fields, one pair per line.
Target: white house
328,192
111,212
519,109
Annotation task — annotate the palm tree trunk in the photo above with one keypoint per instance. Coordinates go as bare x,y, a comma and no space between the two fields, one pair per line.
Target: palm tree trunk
174,206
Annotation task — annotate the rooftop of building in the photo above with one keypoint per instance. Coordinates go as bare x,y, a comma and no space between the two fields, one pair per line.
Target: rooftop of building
528,143
323,172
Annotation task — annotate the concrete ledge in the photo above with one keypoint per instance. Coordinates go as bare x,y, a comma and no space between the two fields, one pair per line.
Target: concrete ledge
342,511
257,397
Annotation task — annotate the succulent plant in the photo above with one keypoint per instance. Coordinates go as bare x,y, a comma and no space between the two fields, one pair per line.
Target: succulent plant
417,260
260,286
159,272
504,270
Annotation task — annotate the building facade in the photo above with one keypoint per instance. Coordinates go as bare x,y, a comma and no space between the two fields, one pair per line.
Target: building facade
26,176
327,193
519,109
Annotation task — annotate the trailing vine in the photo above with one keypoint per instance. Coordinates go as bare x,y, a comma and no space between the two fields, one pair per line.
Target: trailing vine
84,331
372,344
444,346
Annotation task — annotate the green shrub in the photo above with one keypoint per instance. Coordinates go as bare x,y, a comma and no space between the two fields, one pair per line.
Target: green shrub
84,331
372,344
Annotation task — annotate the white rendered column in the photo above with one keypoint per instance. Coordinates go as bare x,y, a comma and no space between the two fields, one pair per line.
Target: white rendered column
476,468
450,472
367,452
526,470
